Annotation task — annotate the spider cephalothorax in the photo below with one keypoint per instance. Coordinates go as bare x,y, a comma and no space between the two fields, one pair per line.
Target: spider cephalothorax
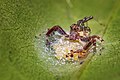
79,33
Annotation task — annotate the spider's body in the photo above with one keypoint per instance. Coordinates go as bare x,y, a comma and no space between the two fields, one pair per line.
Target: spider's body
78,32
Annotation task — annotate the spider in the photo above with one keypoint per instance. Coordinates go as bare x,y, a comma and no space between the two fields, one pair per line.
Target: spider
79,32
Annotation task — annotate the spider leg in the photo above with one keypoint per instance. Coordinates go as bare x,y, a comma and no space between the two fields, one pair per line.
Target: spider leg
56,28
82,53
51,31
97,37
85,19
93,42
94,48
89,44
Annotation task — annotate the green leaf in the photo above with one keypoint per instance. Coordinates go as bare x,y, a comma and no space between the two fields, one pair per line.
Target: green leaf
22,20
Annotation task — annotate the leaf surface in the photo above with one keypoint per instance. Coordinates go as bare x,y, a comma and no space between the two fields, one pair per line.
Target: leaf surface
22,20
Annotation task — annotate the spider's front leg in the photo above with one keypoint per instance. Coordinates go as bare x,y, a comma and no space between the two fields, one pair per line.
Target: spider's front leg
52,30
55,28
95,37
92,42
80,53
85,19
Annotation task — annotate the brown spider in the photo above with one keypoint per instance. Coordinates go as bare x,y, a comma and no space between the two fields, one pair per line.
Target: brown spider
78,32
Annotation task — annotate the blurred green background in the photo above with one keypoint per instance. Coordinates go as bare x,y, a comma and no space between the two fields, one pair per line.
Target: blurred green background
22,20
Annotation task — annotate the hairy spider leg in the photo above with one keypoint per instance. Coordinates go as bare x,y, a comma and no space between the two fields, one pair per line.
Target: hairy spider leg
51,32
92,42
85,19
82,53
56,28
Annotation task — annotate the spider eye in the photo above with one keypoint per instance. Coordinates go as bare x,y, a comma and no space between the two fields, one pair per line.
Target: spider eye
74,28
77,27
